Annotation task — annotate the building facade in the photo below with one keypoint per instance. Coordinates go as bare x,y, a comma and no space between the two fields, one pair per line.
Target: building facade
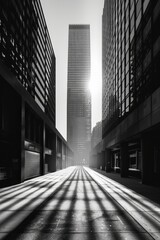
78,95
131,88
29,142
96,146
96,135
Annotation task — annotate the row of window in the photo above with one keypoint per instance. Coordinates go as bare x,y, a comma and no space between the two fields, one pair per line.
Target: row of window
128,58
26,48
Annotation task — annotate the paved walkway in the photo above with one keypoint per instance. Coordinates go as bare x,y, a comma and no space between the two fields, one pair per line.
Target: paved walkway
151,192
76,204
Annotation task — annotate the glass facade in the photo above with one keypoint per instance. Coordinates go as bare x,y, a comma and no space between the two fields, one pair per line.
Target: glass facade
25,47
131,57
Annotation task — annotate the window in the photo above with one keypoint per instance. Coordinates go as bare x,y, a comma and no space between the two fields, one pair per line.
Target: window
156,47
138,20
127,3
132,9
127,79
147,29
138,8
131,35
156,11
127,57
131,2
133,159
132,22
147,60
127,92
145,4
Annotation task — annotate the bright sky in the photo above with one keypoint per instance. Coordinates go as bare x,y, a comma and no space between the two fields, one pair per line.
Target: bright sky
59,14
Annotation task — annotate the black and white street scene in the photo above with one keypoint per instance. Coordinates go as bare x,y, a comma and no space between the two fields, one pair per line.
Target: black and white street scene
79,120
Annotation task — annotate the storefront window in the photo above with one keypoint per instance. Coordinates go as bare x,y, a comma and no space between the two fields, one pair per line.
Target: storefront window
133,159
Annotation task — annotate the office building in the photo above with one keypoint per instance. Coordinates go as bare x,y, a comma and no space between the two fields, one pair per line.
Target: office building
96,135
30,145
131,88
78,95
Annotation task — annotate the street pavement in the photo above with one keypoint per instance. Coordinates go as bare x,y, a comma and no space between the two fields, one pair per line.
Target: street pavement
76,203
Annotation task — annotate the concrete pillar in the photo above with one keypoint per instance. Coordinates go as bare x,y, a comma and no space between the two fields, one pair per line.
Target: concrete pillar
95,165
52,158
147,159
124,164
108,160
58,153
22,141
99,162
43,143
63,156
103,160
91,161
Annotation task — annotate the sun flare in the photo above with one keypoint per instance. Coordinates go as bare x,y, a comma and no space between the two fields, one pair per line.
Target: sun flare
92,86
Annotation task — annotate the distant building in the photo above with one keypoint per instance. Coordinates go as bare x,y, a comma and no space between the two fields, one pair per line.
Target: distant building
131,88
78,95
96,147
96,136
30,145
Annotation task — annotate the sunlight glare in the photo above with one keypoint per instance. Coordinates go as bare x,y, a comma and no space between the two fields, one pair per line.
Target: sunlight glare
92,86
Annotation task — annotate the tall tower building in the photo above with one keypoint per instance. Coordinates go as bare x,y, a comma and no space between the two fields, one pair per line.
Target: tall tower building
78,96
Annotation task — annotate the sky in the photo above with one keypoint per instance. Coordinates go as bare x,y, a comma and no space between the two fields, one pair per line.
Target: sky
59,14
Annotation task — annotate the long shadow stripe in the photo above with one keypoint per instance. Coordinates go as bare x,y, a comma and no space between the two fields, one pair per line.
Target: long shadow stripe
13,234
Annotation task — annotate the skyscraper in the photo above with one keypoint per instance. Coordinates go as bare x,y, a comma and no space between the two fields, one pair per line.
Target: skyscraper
78,96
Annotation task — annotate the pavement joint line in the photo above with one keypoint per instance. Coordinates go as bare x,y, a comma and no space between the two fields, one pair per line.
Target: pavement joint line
150,233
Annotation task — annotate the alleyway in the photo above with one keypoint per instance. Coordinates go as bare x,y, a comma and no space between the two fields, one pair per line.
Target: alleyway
76,204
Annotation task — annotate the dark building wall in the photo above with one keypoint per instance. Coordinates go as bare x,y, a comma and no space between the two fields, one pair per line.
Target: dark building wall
131,89
96,135
28,138
27,50
27,93
10,131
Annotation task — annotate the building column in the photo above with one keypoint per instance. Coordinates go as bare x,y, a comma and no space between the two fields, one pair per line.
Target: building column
124,159
54,152
22,165
61,160
95,165
99,163
103,160
63,156
108,160
147,159
43,144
